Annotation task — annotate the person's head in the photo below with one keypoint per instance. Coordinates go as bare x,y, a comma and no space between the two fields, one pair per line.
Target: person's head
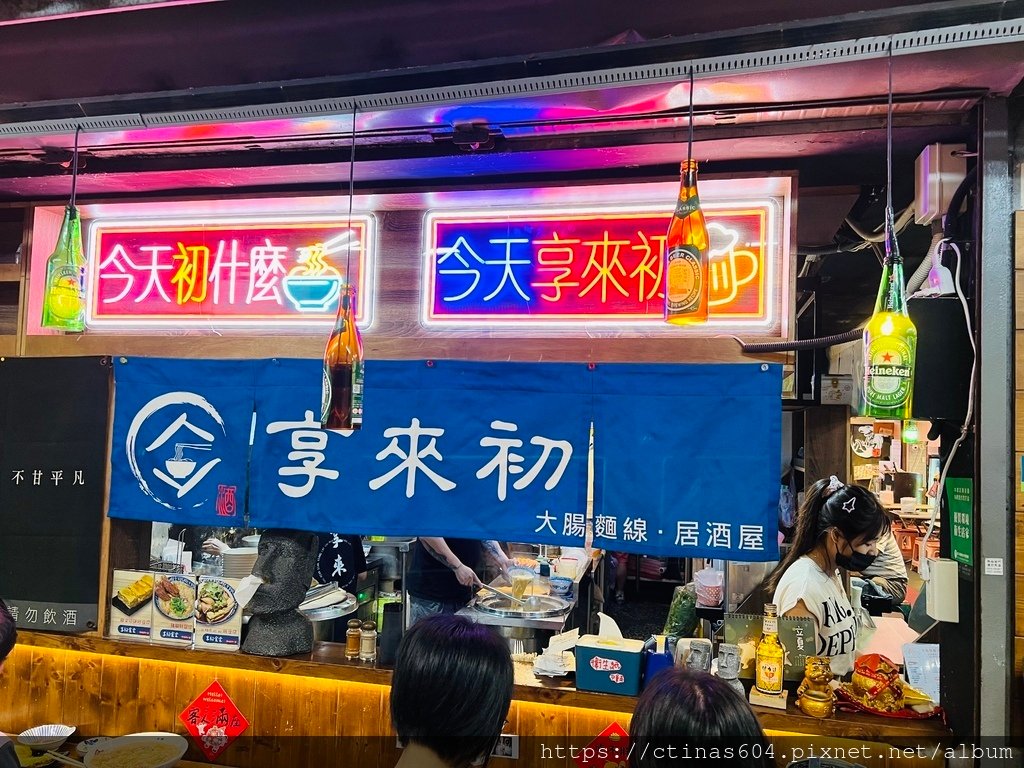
8,634
688,708
451,688
845,522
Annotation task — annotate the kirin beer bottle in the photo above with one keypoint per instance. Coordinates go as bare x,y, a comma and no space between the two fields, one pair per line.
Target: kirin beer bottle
686,255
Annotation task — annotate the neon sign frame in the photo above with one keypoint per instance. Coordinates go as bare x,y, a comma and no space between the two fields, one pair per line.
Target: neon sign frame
773,292
363,223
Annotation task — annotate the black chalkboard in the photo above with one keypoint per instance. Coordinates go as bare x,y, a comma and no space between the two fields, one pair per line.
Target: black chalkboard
53,441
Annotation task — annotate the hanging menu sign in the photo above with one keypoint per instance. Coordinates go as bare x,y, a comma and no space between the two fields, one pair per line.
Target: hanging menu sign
53,418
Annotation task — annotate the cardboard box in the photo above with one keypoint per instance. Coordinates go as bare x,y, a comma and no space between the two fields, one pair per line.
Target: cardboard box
174,608
609,665
218,617
131,607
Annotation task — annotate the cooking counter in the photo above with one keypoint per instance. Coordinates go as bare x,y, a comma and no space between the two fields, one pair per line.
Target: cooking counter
109,687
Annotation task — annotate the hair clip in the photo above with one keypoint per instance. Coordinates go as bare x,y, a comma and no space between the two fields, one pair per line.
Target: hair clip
834,484
850,504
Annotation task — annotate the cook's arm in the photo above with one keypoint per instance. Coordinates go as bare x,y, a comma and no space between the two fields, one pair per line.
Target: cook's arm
494,551
438,548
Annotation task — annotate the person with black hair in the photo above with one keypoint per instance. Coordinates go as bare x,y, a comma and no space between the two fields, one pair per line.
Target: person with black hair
686,714
8,637
450,692
838,526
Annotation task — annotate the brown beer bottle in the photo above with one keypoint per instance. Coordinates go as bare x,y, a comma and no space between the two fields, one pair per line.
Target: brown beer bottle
342,393
686,255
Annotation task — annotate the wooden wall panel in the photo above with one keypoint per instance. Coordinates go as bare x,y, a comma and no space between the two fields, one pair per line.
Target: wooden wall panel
1019,601
47,680
1018,232
1018,558
1018,421
1018,360
157,710
83,680
826,443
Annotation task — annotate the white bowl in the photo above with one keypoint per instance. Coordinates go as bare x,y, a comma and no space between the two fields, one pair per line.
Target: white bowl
88,744
251,541
179,743
44,737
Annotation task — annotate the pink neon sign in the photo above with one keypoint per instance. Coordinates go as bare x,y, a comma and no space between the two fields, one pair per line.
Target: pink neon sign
538,266
274,271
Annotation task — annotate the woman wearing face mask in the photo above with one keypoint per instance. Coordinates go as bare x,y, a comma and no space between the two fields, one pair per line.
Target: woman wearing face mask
838,526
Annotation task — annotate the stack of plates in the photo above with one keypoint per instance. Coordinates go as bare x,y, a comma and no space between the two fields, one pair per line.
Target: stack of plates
238,563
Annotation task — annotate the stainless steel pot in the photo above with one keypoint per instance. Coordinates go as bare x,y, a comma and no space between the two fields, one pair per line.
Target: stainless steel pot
522,639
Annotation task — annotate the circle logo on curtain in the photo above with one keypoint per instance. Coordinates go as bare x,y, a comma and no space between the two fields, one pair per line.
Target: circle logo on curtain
173,446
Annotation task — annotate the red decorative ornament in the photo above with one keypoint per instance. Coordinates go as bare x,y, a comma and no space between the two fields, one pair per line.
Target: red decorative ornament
213,721
609,750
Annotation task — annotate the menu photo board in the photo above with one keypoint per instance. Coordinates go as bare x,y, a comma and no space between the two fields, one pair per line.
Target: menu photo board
53,418
174,608
131,607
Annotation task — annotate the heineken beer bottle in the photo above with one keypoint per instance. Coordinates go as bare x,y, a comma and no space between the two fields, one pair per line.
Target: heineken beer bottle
64,297
890,344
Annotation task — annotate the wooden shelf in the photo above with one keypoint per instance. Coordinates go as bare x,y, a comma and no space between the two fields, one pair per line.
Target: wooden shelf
8,345
10,273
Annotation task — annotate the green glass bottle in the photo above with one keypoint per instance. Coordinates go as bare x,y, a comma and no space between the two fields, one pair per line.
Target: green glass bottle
890,346
64,300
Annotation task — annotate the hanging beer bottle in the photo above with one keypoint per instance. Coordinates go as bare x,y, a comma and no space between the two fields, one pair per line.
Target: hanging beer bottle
342,395
890,346
686,255
64,297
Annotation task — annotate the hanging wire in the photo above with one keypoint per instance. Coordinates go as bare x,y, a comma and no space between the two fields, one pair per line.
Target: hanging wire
689,140
351,193
74,168
891,245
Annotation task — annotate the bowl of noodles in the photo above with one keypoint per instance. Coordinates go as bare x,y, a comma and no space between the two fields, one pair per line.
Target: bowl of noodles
139,750
175,597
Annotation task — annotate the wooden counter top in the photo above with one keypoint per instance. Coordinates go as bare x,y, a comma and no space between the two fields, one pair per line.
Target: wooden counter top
327,662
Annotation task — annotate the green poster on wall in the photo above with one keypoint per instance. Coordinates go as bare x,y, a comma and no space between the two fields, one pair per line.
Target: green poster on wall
960,492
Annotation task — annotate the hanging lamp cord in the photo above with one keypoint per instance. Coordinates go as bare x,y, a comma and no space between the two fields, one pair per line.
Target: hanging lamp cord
689,140
351,193
74,167
891,245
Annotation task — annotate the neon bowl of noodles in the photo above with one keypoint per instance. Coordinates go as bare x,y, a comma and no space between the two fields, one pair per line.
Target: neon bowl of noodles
138,750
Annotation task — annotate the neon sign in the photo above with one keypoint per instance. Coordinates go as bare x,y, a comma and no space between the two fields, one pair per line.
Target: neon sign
594,265
195,272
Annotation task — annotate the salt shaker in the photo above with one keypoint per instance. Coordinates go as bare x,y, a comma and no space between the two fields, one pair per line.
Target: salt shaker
368,642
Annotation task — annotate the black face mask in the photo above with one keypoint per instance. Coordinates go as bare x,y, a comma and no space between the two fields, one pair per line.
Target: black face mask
856,561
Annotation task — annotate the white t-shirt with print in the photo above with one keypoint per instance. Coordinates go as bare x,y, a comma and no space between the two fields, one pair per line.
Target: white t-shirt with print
827,602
